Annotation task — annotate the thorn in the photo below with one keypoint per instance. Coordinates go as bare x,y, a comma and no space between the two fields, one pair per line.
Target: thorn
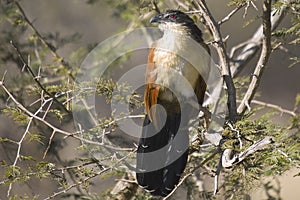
226,38
3,77
252,3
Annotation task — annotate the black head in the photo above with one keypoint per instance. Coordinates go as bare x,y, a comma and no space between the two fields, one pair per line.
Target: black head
172,16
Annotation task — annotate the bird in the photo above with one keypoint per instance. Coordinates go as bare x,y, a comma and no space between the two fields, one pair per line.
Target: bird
163,148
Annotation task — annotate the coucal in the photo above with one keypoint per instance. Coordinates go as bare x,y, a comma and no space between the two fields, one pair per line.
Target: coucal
163,148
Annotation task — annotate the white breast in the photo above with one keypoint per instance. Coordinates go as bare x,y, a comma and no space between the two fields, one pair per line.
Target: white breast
174,73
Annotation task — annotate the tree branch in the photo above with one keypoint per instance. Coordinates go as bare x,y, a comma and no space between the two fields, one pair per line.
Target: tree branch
252,45
225,19
19,143
224,60
270,105
263,59
42,39
35,78
213,154
228,160
155,6
77,184
54,128
89,177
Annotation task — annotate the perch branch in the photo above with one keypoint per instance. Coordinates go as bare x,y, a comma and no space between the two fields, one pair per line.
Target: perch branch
224,60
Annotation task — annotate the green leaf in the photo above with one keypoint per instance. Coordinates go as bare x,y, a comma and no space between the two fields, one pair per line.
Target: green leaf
30,158
17,115
35,137
297,101
12,171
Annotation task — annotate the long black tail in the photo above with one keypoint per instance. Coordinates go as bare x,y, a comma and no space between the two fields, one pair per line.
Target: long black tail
161,158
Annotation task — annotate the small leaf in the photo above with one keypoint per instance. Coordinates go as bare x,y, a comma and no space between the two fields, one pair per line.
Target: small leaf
297,101
27,158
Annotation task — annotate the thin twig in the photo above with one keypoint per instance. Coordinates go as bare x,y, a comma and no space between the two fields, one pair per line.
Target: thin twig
42,39
182,4
237,47
28,67
19,143
49,144
54,128
88,178
77,184
238,135
225,19
215,152
254,43
285,155
274,106
155,6
246,9
217,176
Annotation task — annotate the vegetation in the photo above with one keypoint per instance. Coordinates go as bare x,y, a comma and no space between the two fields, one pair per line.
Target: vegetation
37,87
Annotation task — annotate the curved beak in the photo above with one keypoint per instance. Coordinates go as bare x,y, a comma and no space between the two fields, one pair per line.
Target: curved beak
156,18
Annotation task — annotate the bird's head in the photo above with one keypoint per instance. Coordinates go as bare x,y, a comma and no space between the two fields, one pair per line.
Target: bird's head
172,19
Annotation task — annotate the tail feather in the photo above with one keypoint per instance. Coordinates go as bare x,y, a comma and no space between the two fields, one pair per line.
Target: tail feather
160,172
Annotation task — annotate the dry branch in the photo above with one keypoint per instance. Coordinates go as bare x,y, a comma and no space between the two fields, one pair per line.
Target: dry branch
273,106
224,60
263,59
35,78
252,45
228,160
42,39
54,128
225,19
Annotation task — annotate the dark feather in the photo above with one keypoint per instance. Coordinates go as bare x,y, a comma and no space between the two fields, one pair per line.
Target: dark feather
163,180
163,149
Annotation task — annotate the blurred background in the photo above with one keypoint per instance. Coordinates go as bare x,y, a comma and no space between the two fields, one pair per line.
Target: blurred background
99,21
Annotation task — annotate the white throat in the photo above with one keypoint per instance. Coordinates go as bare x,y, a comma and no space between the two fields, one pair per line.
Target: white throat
174,38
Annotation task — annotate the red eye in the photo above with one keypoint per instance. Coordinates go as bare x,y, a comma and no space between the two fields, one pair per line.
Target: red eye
173,16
